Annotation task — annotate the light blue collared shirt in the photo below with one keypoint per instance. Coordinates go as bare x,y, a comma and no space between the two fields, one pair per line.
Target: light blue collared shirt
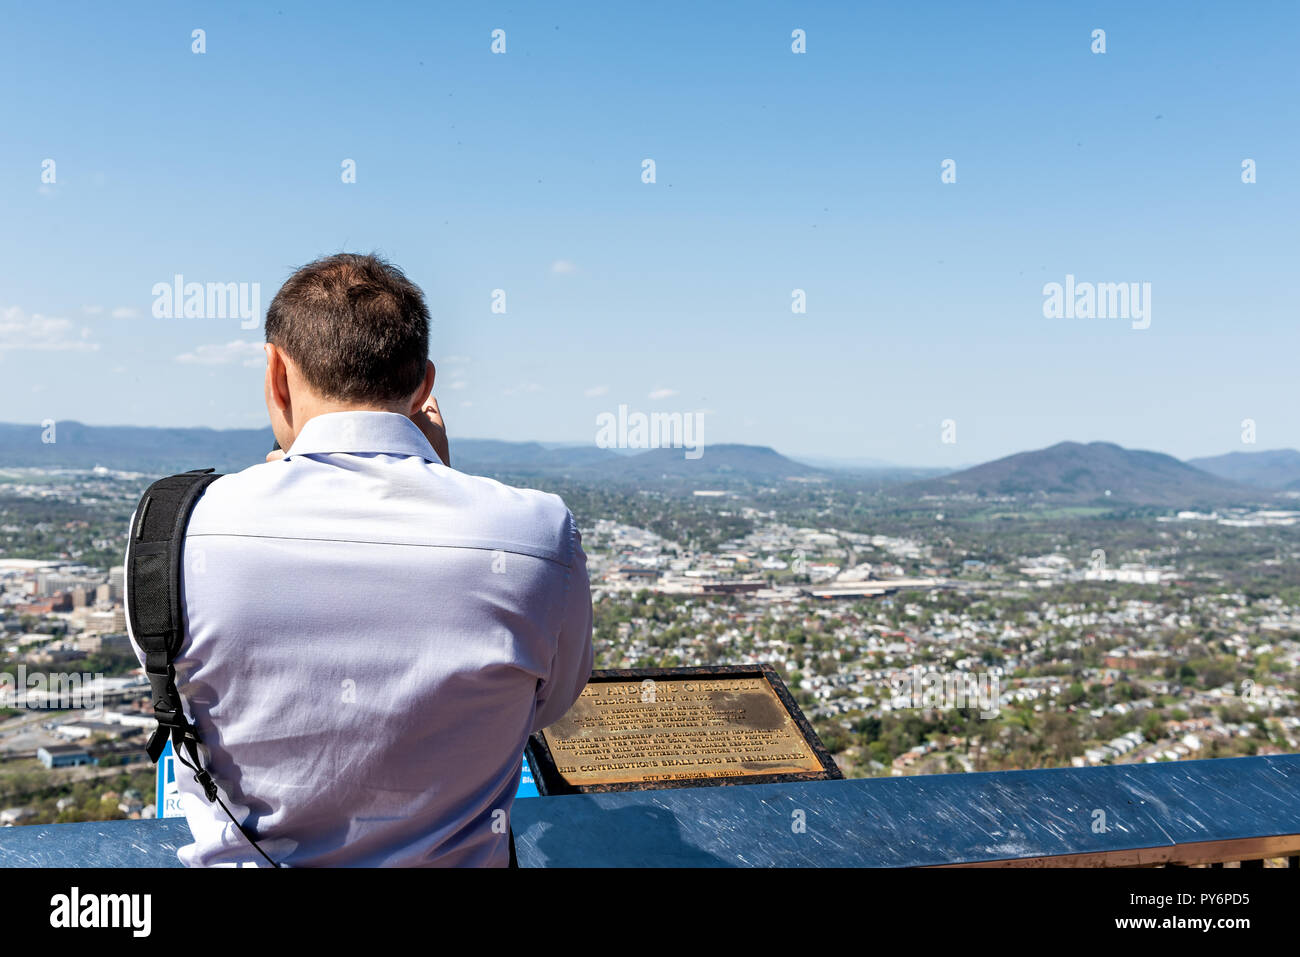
370,638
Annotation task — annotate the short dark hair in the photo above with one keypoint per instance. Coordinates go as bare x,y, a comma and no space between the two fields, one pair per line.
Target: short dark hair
356,327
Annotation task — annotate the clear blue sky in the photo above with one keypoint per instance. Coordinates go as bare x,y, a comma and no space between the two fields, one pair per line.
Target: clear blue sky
775,171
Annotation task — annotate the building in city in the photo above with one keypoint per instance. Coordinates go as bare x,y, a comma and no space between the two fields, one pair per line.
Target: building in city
64,756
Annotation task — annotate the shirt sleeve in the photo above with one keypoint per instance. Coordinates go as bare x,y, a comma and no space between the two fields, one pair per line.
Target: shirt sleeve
571,666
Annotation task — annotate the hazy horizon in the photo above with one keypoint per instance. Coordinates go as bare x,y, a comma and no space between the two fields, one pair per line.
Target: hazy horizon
820,461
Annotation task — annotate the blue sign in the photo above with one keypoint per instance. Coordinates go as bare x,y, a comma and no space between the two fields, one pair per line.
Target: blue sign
168,795
167,799
527,786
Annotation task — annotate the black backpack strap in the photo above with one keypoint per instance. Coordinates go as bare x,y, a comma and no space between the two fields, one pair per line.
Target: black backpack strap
153,575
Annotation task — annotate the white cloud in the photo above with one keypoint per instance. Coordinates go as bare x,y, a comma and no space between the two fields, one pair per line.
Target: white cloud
563,267
18,330
524,387
596,390
453,361
92,310
250,354
658,394
458,384
125,312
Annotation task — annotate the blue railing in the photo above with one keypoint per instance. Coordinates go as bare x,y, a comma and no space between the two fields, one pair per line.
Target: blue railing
1187,812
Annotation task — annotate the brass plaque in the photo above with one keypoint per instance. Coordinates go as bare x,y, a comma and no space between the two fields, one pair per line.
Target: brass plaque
675,729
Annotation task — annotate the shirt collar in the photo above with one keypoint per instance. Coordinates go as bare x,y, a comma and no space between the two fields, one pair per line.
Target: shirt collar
362,432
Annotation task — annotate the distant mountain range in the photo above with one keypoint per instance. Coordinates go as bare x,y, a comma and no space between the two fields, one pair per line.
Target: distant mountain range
161,450
132,448
1275,468
1069,472
1098,472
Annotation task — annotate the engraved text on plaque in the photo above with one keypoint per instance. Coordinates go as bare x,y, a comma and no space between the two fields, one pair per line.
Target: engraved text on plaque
669,729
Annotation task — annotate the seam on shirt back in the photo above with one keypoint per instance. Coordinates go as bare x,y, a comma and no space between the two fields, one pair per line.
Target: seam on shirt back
363,541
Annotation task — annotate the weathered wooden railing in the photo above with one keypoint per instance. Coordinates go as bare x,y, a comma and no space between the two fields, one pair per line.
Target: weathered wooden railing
1179,814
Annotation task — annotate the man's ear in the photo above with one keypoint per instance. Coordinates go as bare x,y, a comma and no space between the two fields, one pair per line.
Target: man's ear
277,381
422,393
